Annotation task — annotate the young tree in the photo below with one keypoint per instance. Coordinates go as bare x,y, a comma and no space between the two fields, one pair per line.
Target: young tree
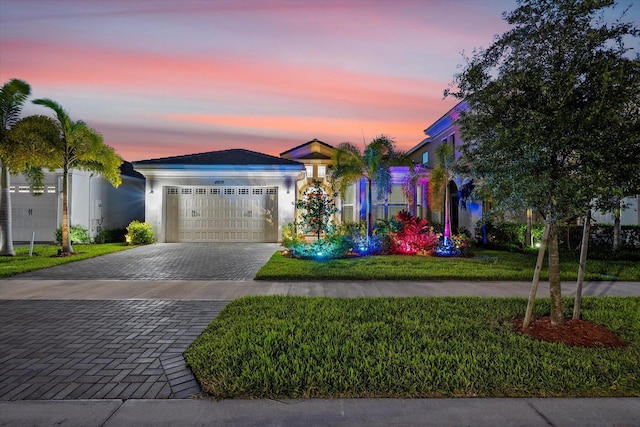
350,165
77,146
21,151
316,209
543,100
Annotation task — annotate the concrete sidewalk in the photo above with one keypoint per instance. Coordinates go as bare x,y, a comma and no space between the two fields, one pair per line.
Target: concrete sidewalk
225,290
322,412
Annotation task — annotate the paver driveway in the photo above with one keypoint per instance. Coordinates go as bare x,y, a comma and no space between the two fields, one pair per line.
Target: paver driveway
167,261
99,349
116,349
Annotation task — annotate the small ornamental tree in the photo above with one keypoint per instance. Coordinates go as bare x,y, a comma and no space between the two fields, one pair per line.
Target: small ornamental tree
317,209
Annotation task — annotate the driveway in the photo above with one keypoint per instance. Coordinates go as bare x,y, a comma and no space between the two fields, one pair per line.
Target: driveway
116,349
66,349
167,261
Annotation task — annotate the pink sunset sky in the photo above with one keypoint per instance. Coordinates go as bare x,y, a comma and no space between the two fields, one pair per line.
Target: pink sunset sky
161,78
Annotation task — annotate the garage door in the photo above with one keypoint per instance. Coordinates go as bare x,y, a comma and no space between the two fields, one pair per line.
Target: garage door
221,214
33,213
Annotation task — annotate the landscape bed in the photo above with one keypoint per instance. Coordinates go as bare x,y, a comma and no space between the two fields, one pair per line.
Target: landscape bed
300,347
483,265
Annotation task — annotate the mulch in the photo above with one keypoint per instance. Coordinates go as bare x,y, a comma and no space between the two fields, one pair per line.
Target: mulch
573,332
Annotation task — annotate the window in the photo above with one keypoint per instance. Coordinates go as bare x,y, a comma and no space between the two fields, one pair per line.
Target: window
24,189
348,204
322,171
229,191
309,169
51,189
186,191
258,191
425,158
172,190
272,191
215,191
201,191
243,191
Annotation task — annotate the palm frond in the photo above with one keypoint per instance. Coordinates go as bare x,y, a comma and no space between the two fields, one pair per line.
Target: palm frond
61,114
12,97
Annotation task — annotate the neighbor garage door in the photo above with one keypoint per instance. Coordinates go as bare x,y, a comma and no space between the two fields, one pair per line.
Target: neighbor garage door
221,214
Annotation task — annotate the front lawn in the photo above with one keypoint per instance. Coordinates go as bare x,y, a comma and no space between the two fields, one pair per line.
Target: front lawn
484,265
44,256
297,347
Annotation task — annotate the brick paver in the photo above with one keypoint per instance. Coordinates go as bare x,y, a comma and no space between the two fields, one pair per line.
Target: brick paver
167,261
99,349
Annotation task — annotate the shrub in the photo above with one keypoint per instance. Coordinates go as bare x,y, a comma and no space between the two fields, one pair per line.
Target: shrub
414,236
77,234
331,247
290,236
139,233
115,235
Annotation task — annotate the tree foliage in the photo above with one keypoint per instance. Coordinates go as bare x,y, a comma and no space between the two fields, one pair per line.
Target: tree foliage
548,107
77,146
20,152
350,165
317,209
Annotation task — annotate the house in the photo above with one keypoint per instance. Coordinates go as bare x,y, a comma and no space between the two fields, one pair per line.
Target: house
444,131
317,159
93,203
220,196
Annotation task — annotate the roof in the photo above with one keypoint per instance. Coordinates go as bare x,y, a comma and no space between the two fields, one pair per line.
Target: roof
313,141
126,169
446,121
231,157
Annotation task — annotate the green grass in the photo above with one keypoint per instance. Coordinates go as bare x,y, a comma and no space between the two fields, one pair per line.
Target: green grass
44,256
484,265
297,347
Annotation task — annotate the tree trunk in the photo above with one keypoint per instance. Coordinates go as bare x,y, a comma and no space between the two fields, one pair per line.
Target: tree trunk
616,229
6,232
369,209
447,214
528,240
555,289
583,261
536,276
66,240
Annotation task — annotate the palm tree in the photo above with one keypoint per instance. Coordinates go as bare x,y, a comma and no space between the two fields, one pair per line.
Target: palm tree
80,147
439,178
12,96
350,165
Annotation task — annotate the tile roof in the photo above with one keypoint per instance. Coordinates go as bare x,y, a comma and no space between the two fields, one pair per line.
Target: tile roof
235,156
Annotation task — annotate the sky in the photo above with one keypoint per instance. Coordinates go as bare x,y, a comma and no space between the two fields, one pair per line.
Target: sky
162,78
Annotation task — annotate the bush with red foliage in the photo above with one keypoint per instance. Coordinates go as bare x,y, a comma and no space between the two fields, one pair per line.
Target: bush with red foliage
414,237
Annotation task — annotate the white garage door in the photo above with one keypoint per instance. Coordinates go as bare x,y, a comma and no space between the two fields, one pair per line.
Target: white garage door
34,213
221,214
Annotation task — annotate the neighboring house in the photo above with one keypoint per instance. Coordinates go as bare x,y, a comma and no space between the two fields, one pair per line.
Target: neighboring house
93,203
446,131
629,216
220,196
